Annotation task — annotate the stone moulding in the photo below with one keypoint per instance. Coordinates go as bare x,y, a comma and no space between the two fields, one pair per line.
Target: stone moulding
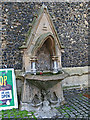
41,40
72,71
20,74
46,78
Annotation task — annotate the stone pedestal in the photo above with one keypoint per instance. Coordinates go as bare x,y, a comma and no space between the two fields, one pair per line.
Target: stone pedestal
42,94
33,64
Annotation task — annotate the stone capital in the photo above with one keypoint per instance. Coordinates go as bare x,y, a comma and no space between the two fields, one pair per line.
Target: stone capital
33,58
54,58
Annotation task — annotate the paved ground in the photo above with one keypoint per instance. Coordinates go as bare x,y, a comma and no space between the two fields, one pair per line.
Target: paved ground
76,108
77,105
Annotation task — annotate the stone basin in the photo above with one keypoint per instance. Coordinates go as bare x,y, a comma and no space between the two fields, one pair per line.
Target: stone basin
41,93
44,81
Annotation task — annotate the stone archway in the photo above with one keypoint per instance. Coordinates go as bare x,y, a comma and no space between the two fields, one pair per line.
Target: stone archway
44,56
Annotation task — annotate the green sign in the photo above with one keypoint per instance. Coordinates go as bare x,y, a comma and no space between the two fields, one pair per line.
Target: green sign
8,94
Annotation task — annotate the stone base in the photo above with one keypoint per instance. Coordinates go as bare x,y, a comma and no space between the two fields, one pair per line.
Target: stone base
29,107
42,94
44,111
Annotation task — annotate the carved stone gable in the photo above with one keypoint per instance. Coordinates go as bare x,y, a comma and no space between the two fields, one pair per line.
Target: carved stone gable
44,24
42,51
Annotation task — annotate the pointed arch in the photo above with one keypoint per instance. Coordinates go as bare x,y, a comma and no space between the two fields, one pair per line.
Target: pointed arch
41,40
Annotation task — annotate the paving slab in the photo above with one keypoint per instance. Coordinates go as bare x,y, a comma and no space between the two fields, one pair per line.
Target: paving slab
76,107
77,104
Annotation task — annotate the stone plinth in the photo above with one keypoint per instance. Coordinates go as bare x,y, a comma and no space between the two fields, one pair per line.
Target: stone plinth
41,93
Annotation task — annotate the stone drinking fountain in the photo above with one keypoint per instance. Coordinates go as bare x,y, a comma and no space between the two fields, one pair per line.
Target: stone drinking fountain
42,70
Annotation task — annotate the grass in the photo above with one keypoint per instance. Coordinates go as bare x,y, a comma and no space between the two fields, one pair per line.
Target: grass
68,108
15,113
66,115
80,94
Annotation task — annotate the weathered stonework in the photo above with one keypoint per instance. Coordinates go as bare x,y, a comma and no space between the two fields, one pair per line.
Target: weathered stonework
71,23
42,54
80,74
42,50
40,93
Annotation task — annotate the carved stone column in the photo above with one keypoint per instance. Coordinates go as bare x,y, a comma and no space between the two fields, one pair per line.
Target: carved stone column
55,64
33,64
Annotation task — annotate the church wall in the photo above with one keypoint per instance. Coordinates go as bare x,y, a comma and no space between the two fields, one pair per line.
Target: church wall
71,23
